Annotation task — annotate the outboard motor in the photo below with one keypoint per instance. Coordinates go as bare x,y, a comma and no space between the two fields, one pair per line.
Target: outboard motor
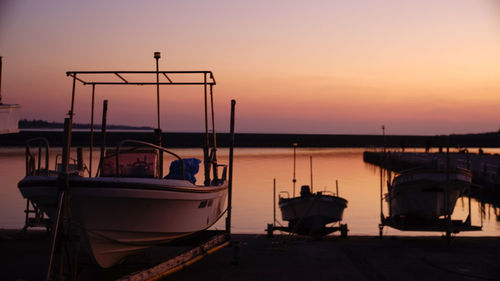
305,191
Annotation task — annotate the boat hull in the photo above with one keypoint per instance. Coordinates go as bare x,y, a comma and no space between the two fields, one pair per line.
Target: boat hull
310,214
120,216
427,194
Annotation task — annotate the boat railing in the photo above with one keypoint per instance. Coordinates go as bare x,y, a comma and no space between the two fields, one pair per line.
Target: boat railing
223,177
328,192
75,166
34,162
284,192
137,144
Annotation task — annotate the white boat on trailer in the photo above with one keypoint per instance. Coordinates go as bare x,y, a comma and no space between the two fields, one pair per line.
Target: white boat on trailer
309,213
427,193
424,198
128,207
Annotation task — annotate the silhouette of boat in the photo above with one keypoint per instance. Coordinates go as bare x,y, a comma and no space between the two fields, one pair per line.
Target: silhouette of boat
427,193
128,205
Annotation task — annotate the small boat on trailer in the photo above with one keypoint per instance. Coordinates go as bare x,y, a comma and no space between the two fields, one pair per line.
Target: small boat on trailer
423,199
309,213
128,205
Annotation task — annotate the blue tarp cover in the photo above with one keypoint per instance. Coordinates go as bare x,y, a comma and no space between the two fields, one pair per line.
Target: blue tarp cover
191,167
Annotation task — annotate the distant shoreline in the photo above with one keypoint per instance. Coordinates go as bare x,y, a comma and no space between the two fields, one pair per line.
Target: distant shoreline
45,125
81,137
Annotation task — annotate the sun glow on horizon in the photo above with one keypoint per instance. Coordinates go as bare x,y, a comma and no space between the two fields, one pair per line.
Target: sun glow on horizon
420,67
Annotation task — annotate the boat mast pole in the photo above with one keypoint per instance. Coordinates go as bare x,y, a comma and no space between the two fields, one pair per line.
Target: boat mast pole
157,58
214,151
206,161
158,130
311,164
72,102
91,131
294,158
274,202
103,133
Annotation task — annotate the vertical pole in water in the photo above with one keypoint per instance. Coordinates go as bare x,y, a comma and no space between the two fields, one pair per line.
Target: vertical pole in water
159,141
382,194
230,181
311,164
103,132
274,202
294,160
91,131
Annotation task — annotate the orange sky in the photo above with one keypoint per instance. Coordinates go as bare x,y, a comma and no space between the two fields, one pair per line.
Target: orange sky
419,67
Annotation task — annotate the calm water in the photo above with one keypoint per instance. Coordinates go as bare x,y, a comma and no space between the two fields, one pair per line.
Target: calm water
254,171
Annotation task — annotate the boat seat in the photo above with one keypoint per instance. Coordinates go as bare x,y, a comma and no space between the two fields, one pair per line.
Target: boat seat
305,191
141,163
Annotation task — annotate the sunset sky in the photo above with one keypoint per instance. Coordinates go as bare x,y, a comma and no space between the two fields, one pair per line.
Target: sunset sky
421,67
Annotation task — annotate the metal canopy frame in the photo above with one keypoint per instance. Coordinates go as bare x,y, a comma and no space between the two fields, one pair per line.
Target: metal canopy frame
205,79
120,75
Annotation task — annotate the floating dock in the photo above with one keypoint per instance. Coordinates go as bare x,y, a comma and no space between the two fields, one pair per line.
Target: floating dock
284,257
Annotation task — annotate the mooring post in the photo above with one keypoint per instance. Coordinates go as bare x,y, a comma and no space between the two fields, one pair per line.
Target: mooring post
230,180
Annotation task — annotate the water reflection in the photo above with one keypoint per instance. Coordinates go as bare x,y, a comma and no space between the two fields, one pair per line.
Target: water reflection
254,171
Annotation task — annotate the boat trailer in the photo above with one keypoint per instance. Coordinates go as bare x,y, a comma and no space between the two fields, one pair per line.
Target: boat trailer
276,225
445,225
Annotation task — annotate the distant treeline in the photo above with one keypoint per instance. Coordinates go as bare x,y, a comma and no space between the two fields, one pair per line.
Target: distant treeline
41,124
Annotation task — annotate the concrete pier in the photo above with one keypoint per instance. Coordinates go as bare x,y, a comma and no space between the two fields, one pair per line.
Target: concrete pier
285,257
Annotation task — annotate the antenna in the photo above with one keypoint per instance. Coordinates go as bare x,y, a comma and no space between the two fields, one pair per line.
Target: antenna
311,163
294,157
157,58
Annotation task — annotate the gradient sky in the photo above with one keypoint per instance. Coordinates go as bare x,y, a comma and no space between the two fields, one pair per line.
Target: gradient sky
420,67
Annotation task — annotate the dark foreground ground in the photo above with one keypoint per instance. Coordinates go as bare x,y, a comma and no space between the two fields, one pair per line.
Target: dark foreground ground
287,258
